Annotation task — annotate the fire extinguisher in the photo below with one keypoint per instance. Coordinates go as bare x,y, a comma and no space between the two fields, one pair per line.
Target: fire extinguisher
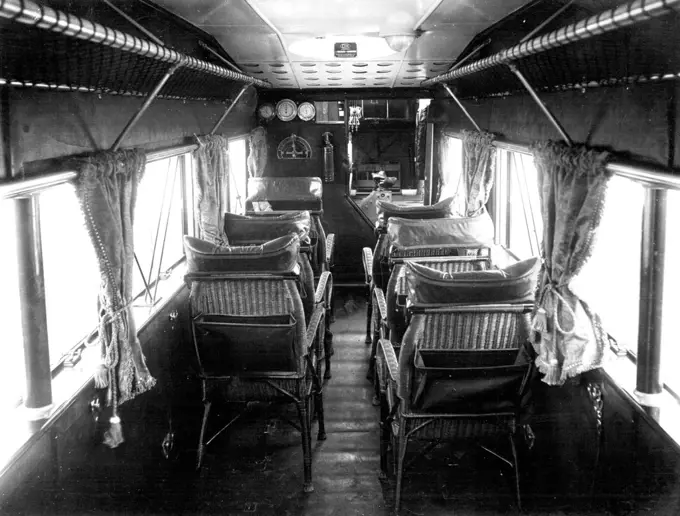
328,160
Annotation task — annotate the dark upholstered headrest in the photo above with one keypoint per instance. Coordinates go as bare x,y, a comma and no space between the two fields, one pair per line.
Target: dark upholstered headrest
279,255
461,232
387,209
285,189
241,228
516,282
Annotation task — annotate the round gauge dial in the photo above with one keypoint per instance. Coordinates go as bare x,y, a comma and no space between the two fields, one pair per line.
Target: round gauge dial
286,110
306,111
266,111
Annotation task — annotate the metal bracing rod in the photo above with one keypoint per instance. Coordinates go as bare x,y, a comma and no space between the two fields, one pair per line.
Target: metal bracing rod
220,57
472,54
607,21
462,108
546,21
152,96
32,14
136,24
540,103
229,108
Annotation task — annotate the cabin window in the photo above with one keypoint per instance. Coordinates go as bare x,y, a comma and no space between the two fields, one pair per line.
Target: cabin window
451,169
159,224
238,174
12,376
670,347
71,271
610,280
519,223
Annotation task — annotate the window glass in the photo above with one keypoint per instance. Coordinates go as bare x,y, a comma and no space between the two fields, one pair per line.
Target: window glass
237,175
12,369
71,271
670,340
399,108
610,280
525,227
451,168
376,108
158,225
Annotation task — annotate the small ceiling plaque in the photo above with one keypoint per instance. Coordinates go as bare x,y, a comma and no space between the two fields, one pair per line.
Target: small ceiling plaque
345,49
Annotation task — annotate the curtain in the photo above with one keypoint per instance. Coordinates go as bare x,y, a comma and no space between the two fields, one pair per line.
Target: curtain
478,170
107,191
211,180
257,159
569,335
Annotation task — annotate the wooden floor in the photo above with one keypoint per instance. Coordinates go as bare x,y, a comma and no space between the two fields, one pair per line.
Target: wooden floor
257,468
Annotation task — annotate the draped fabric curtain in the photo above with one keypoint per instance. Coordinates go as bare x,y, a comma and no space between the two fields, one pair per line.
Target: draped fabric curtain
451,176
569,335
211,180
107,190
257,158
478,170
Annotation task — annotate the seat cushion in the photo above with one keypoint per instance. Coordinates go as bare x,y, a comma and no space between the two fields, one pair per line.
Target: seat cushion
386,209
441,233
278,255
244,229
516,282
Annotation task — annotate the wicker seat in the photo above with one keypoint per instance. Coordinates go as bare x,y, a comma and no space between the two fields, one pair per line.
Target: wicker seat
462,374
248,230
283,195
405,236
250,336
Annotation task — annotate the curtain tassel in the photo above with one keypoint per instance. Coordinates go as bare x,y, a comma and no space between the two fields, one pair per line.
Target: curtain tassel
540,321
113,437
101,377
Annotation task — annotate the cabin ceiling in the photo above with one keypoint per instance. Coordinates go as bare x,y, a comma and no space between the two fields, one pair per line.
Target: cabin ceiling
247,30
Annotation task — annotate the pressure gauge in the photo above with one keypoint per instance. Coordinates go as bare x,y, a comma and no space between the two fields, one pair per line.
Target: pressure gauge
286,110
266,112
306,111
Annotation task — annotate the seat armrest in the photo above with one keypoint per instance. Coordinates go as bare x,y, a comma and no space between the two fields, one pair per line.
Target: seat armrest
320,293
367,253
330,248
380,301
313,326
386,352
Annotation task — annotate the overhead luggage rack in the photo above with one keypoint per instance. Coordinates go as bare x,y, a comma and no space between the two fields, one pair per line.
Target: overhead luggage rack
46,48
633,43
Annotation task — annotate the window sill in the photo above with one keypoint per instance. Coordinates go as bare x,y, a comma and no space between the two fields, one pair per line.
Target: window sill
19,434
622,372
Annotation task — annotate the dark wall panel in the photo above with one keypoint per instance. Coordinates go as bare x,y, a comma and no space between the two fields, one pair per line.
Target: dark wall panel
277,131
47,125
632,121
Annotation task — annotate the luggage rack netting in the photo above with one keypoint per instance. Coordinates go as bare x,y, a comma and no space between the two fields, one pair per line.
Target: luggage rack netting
48,48
36,58
646,52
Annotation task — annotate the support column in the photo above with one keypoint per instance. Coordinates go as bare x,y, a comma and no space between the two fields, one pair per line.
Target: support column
38,399
649,385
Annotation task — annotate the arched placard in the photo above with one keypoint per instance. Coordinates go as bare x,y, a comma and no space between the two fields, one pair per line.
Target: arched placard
294,147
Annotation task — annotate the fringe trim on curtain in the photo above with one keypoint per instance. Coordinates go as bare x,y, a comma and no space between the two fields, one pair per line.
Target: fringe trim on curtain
570,339
107,192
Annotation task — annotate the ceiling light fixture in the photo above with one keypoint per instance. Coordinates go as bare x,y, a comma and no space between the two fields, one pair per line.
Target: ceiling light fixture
399,42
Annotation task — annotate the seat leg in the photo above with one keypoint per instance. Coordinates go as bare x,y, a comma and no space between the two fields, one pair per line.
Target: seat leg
369,318
307,486
384,435
318,401
328,352
402,444
201,438
515,463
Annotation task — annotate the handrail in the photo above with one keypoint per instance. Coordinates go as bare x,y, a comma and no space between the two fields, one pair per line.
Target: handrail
30,13
607,21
